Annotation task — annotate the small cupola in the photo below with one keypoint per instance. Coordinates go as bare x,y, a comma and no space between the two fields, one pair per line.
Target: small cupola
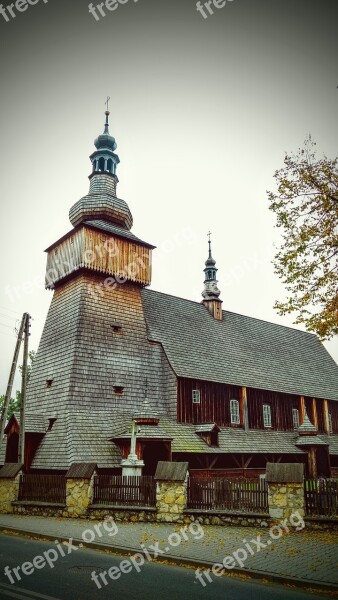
211,292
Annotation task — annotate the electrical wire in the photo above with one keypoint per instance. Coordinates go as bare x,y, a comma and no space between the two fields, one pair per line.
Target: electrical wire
10,310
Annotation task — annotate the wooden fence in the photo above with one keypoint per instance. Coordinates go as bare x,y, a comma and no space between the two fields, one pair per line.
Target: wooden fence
321,497
43,488
238,495
117,490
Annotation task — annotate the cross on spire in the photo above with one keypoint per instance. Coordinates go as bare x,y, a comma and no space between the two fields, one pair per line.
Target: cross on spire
106,126
209,242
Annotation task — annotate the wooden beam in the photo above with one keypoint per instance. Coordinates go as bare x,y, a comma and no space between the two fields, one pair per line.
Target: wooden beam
247,462
238,463
314,413
243,409
326,416
4,412
301,409
312,463
213,462
21,450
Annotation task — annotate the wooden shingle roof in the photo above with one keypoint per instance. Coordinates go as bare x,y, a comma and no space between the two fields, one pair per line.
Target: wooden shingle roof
10,470
244,351
171,471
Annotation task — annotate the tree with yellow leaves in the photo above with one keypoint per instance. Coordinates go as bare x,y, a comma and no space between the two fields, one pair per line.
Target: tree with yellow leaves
306,206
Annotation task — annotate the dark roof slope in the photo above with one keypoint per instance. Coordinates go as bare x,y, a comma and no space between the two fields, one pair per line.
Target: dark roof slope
239,350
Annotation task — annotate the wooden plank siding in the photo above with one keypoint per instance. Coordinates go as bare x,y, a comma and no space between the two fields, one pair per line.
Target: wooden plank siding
214,406
87,248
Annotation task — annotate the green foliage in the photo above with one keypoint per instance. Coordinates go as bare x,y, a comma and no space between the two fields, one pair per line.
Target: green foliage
14,403
306,206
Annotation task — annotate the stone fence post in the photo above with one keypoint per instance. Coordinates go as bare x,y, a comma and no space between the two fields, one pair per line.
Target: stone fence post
285,489
171,491
79,488
9,486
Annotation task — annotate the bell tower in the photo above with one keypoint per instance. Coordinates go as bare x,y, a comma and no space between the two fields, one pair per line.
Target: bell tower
211,292
94,353
101,240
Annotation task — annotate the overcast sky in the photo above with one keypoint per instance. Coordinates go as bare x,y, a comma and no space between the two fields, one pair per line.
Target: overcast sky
202,110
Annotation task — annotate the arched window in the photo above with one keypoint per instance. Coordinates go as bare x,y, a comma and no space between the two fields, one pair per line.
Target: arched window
234,412
101,164
110,166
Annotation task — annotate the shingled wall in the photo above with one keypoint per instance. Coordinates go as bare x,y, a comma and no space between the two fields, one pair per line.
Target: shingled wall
84,359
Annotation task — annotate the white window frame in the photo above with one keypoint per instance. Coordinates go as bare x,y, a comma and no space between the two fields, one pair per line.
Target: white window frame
196,397
295,418
267,415
234,412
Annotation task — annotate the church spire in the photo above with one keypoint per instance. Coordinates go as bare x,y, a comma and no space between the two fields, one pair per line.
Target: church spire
101,202
211,292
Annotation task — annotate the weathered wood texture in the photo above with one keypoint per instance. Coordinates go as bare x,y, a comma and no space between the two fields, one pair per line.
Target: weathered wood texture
214,406
43,488
321,497
87,248
223,494
117,490
86,360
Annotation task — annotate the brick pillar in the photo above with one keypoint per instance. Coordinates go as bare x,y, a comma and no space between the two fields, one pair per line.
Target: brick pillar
285,489
79,490
171,491
9,486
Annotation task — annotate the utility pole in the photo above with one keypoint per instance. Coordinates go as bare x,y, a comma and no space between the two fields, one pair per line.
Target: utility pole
21,452
11,379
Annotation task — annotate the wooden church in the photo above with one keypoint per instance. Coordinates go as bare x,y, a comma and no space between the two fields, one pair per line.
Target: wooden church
223,391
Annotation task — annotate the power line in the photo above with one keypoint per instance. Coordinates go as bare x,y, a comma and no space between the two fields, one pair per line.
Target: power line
10,310
8,316
9,326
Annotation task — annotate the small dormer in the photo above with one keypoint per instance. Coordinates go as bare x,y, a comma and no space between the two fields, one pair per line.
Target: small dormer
209,433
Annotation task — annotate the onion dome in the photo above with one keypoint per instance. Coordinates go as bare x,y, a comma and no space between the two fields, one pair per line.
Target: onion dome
211,291
101,202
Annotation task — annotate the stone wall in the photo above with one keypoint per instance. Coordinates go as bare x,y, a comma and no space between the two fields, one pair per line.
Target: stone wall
126,515
171,500
9,490
39,509
285,499
227,519
79,495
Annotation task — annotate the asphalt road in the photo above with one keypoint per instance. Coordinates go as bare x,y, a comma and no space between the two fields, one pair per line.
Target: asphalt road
70,577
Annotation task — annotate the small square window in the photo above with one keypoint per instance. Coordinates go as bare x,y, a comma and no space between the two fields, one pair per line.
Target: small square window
196,397
49,383
116,327
118,389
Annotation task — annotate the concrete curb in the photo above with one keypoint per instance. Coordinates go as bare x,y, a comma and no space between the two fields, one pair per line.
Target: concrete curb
191,562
